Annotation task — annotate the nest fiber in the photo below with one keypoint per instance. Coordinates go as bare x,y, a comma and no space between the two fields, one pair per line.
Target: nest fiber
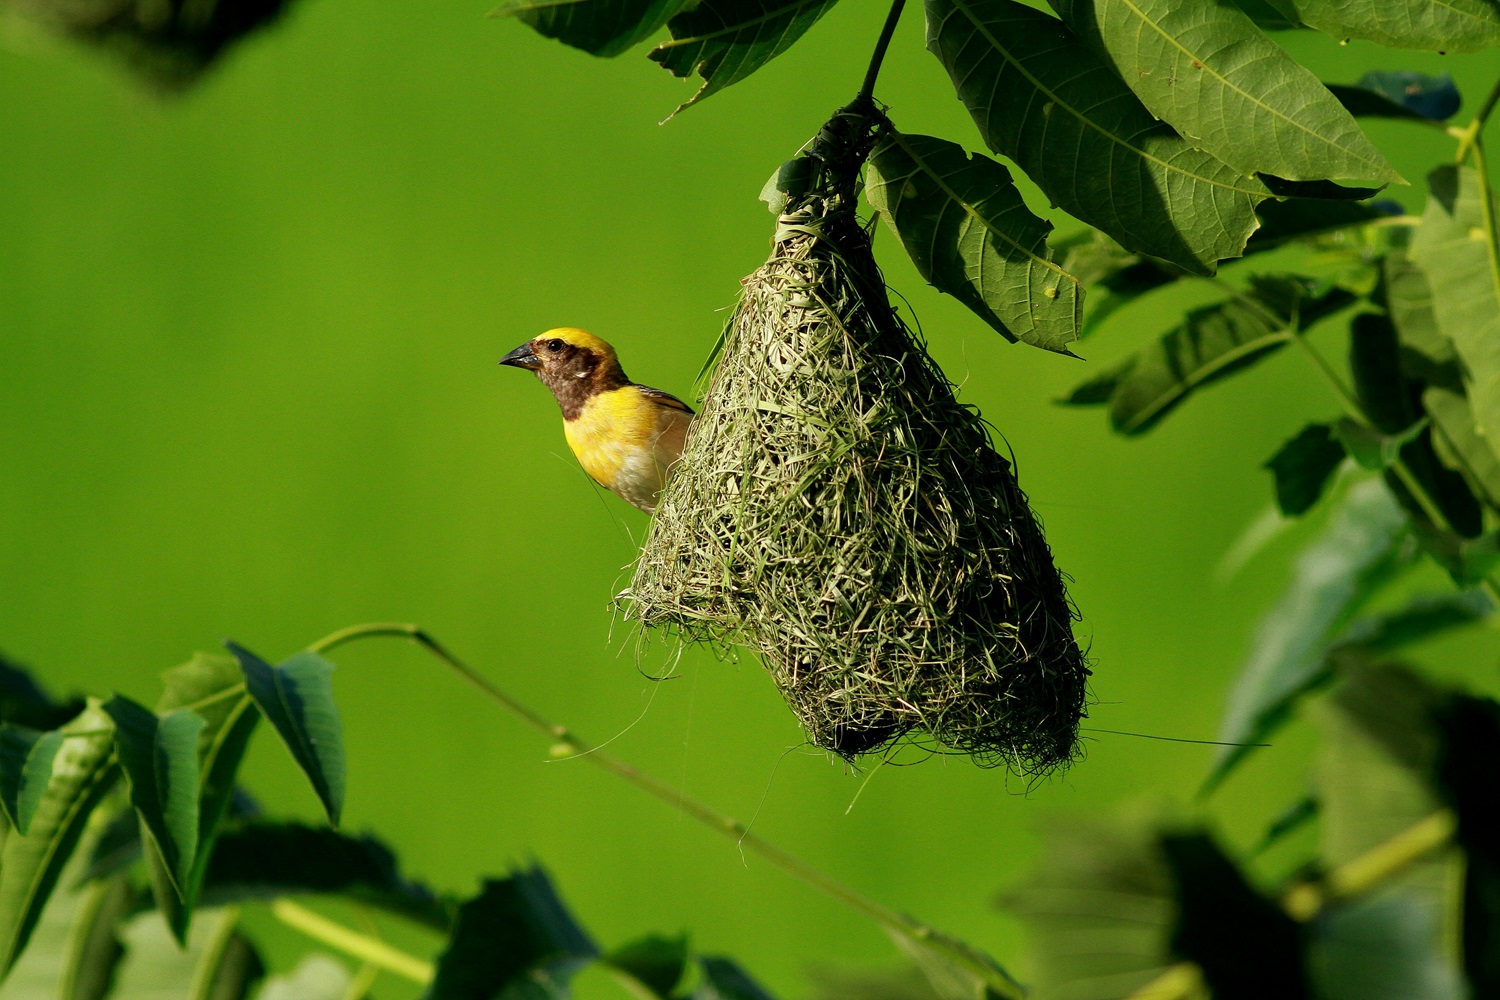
840,511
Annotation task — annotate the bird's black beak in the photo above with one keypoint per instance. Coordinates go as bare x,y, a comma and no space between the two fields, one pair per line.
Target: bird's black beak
522,357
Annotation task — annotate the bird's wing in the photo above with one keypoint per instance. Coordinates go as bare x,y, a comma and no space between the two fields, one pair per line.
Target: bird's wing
666,399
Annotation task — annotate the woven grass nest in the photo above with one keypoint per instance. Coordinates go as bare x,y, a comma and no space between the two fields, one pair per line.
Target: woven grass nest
838,510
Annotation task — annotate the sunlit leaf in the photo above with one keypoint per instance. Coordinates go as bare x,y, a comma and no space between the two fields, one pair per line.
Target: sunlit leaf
724,41
218,963
1047,101
515,931
1455,246
83,771
1354,555
1426,354
264,860
600,27
26,758
1303,468
160,758
1401,94
1212,342
654,964
296,697
966,228
1206,70
214,688
1449,26
723,979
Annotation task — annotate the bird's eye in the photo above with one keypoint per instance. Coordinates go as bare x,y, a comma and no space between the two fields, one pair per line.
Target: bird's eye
554,345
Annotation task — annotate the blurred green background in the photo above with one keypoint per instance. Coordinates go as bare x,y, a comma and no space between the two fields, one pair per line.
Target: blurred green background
248,388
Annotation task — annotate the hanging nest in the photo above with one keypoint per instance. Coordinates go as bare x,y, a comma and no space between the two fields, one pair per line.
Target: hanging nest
841,512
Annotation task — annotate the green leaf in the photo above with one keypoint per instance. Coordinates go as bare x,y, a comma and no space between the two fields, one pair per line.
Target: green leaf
73,950
1421,617
316,977
1446,26
1206,70
23,702
26,758
1291,819
296,697
964,225
1212,342
263,860
599,27
514,931
1455,246
1389,945
160,758
1356,553
214,688
653,965
218,963
723,979
724,41
1303,467
83,771
1455,433
1401,94
1069,122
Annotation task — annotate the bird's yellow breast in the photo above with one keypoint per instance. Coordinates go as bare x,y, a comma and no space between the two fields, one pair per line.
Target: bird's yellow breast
611,428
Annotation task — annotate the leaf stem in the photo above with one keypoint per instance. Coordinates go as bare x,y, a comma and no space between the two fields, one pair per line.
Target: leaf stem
867,89
566,744
370,950
1468,137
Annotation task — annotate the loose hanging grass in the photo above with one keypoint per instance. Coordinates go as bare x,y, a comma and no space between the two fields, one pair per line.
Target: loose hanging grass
841,512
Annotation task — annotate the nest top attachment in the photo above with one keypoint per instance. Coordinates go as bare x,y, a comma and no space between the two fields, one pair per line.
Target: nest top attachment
840,511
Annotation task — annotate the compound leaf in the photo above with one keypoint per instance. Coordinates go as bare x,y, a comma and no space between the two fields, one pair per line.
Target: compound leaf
964,225
1047,101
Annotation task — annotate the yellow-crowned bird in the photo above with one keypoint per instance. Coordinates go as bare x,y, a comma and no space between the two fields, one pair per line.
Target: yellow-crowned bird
626,435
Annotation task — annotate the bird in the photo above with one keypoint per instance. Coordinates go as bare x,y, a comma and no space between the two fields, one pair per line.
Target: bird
627,436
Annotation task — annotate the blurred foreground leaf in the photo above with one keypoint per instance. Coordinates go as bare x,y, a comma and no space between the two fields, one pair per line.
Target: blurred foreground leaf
964,225
30,865
723,979
1401,94
653,964
1303,468
316,977
1208,71
296,697
516,934
724,41
1354,555
217,963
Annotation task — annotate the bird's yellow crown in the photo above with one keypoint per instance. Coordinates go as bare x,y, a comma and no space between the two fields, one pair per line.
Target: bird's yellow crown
581,339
